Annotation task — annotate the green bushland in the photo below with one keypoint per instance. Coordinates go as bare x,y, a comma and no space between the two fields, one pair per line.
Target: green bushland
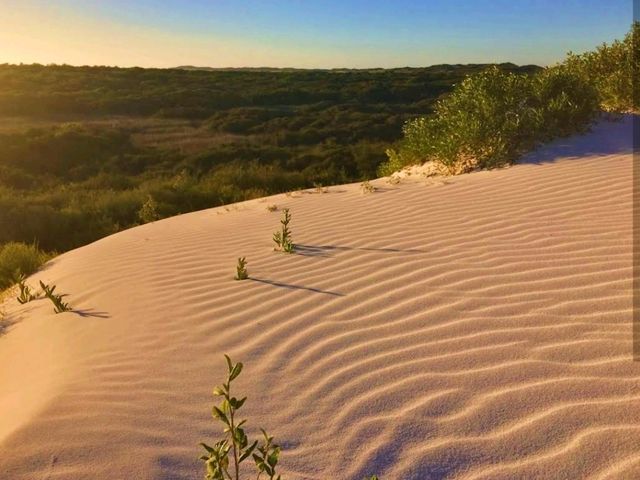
18,260
88,151
611,69
494,116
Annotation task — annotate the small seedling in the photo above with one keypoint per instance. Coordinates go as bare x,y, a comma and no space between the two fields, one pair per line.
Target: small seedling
223,459
26,294
241,269
366,187
282,238
319,188
267,457
272,207
59,305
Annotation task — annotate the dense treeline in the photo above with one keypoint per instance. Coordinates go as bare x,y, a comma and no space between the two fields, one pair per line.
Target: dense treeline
193,93
88,151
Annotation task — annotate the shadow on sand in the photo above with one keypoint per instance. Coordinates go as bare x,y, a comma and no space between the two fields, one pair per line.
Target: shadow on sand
327,250
296,287
611,135
90,312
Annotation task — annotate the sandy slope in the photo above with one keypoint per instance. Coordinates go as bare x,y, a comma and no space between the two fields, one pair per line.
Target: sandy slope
476,328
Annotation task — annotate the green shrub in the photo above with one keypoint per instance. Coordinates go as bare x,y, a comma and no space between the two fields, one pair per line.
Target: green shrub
149,211
19,259
492,117
610,69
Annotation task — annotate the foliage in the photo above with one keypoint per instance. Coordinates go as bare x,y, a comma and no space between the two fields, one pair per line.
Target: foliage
26,294
17,260
366,187
224,458
492,117
149,210
85,152
282,238
241,269
611,69
59,305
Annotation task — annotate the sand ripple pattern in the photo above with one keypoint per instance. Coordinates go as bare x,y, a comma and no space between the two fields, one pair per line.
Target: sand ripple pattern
474,329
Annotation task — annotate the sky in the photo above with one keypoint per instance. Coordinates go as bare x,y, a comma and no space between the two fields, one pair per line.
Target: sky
305,33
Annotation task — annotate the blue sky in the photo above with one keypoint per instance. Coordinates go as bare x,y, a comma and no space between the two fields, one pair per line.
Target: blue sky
305,33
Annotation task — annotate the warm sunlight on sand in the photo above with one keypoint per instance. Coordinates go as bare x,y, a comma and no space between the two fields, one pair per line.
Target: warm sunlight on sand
473,328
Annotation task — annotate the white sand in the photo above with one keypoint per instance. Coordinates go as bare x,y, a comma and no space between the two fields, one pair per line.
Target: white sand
473,328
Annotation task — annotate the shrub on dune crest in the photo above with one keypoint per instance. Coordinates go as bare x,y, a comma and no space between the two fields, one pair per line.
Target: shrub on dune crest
492,117
19,259
610,69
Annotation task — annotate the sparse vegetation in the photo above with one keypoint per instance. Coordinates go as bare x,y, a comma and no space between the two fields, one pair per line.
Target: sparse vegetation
19,259
282,238
366,187
59,305
241,269
223,460
26,294
272,207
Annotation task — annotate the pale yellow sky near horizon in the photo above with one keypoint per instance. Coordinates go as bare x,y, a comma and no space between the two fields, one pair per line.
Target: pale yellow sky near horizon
303,34
47,36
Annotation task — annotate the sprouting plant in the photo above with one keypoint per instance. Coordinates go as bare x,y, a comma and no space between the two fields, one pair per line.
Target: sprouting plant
59,305
26,294
241,269
272,207
319,188
282,238
267,457
366,187
223,459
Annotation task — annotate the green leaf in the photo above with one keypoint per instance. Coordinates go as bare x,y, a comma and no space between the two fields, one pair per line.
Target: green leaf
229,364
207,447
272,460
217,413
218,391
248,451
235,371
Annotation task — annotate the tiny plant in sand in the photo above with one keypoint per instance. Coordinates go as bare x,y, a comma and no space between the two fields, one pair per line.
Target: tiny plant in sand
282,238
223,459
241,269
319,188
366,187
272,208
59,305
26,294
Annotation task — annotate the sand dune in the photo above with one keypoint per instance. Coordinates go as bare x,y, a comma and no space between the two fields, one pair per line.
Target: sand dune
476,327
